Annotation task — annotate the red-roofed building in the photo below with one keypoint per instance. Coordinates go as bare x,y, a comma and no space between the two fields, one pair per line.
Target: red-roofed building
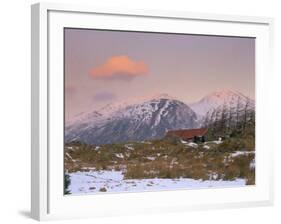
189,134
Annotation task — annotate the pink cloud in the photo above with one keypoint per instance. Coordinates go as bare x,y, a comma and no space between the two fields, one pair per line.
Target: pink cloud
119,67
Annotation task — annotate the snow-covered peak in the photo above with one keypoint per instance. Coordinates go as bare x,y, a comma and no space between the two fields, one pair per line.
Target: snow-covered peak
133,101
225,95
138,119
108,110
147,98
217,99
160,96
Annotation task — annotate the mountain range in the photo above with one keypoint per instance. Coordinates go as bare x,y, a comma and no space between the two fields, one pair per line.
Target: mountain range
147,117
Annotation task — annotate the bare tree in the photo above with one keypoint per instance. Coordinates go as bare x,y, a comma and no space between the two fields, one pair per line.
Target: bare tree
216,122
245,114
211,121
238,110
223,120
230,122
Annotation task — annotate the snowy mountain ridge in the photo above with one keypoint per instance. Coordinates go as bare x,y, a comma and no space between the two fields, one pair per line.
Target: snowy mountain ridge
139,119
111,108
217,99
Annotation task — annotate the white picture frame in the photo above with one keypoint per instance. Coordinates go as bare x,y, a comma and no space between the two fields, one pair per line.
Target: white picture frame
48,201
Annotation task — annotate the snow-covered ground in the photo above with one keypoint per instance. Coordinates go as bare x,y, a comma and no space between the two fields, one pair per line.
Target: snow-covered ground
240,153
113,181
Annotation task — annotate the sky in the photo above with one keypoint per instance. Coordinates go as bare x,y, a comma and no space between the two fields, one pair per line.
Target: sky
103,66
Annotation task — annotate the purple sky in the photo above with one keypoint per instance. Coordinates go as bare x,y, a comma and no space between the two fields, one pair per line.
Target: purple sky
106,66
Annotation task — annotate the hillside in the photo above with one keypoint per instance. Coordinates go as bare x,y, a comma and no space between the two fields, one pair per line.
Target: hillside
131,121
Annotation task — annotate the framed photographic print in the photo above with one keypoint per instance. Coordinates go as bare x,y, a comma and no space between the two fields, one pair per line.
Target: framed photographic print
145,111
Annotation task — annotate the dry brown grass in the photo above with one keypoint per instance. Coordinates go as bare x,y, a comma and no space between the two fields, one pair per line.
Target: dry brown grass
171,159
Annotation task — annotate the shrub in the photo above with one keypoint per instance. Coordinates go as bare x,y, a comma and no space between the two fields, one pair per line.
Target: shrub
231,172
174,140
135,172
232,144
250,143
67,182
250,179
103,189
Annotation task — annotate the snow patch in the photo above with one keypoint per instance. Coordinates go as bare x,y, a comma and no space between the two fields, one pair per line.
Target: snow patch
192,144
97,148
113,181
160,113
218,141
119,155
129,147
239,153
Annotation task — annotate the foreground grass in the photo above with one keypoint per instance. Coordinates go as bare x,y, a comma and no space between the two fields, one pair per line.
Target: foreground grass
167,158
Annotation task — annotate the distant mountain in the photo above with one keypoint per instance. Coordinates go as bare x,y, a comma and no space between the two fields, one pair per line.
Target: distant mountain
216,100
132,120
